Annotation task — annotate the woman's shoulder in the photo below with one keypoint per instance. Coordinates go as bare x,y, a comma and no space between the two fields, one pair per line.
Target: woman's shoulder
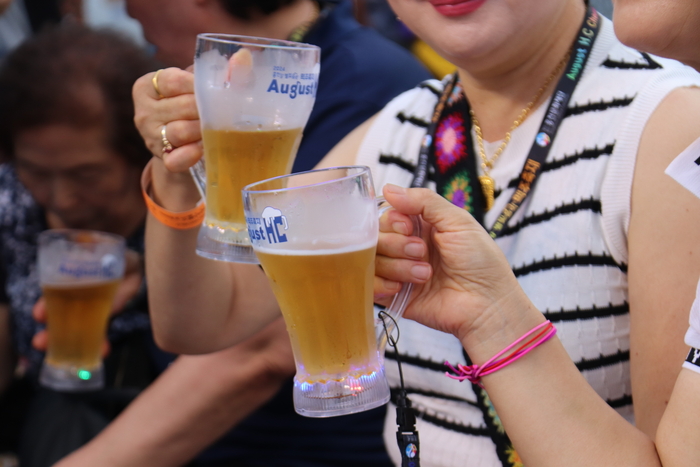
619,63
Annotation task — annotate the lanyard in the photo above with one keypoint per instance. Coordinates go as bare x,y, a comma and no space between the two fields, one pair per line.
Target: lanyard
555,113
581,50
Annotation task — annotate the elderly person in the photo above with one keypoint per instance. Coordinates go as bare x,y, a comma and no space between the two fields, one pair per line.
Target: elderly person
75,159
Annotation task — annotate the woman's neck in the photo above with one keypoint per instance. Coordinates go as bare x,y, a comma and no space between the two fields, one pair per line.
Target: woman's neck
498,94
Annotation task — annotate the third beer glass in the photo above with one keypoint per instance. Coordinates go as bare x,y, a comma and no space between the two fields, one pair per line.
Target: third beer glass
79,272
315,234
254,97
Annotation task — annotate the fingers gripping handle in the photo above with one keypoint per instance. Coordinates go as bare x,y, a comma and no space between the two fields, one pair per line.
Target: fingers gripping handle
400,301
200,178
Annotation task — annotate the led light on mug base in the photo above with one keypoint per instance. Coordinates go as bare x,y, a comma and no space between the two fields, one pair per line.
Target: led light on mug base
254,97
64,379
315,234
79,272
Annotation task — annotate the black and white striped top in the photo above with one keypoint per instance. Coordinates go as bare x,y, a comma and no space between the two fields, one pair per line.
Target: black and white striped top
567,244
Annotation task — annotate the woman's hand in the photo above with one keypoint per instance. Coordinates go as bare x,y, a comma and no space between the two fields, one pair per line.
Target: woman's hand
166,99
463,283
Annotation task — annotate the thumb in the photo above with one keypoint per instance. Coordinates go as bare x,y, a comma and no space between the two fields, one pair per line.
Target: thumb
435,210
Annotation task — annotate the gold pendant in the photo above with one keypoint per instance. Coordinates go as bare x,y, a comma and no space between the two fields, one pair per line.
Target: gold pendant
487,186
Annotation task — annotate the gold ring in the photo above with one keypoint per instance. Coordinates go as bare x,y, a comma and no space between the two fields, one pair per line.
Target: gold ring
155,84
167,145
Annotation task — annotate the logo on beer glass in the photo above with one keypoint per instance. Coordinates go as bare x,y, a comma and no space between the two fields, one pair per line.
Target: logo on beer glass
268,226
106,268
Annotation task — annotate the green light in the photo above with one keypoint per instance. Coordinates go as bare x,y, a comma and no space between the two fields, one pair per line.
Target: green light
84,375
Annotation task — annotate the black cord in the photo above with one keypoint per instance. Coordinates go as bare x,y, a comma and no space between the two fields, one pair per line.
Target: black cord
406,435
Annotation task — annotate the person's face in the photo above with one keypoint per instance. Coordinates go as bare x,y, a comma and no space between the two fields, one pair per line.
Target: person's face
75,176
170,25
467,32
670,28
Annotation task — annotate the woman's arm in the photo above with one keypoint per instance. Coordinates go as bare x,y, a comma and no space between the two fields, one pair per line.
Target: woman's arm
197,305
195,401
679,429
552,415
664,257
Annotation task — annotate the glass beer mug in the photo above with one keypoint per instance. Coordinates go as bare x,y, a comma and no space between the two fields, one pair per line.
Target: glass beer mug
79,272
315,234
254,98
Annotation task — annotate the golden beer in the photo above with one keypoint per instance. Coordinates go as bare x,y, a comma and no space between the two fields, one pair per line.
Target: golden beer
77,316
326,298
236,158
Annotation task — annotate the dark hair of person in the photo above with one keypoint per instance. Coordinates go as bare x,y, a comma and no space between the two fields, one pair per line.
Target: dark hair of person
245,9
75,76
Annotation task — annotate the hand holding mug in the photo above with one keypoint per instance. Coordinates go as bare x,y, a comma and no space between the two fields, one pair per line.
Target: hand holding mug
464,284
165,110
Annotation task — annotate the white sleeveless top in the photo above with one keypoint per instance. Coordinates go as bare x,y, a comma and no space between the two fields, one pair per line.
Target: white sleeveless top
567,244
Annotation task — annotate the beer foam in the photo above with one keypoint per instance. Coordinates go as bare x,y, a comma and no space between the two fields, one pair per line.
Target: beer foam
316,251
247,90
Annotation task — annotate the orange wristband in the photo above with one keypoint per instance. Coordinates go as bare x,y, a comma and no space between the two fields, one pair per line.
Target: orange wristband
176,220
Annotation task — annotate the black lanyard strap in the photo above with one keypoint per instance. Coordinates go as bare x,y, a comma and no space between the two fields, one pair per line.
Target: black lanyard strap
580,52
539,151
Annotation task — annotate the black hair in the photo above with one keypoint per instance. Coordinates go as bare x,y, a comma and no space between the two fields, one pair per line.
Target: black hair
74,75
245,9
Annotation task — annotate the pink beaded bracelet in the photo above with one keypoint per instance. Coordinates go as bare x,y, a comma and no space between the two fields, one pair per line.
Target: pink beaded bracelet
473,373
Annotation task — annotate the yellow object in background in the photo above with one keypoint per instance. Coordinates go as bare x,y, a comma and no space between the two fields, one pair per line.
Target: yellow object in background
437,65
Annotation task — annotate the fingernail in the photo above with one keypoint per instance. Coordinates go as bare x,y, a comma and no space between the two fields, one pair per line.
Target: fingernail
392,286
414,250
400,228
420,271
398,190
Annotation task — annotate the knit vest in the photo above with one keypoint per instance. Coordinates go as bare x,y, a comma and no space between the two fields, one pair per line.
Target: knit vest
567,244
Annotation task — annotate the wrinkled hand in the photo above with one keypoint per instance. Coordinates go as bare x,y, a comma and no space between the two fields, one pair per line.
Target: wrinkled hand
175,108
460,276
128,288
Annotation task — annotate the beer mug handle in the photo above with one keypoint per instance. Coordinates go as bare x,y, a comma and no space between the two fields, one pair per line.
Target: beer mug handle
398,304
200,178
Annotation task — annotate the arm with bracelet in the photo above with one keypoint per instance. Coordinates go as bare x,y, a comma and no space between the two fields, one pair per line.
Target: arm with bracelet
552,415
175,214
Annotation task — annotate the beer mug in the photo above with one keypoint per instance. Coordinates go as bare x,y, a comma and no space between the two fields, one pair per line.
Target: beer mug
254,98
315,234
79,272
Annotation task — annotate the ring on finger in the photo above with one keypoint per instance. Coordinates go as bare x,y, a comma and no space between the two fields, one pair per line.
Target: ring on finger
154,80
167,145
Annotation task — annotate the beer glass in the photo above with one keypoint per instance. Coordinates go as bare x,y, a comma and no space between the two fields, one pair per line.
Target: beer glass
79,272
254,98
315,234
